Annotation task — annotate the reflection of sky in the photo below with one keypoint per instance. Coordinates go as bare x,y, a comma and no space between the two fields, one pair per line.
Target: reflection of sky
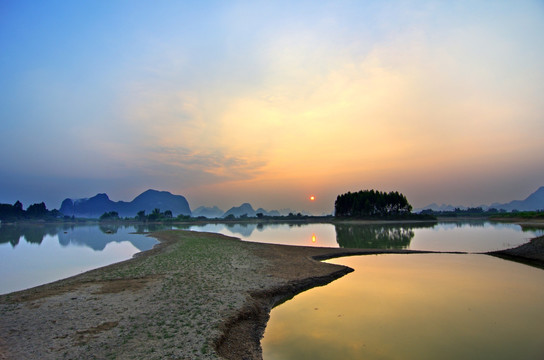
471,237
71,251
94,238
302,235
454,236
30,265
414,307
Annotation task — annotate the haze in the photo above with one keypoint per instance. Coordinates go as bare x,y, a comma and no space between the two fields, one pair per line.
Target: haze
270,102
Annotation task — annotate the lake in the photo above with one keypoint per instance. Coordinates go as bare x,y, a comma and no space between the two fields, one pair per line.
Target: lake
392,307
467,236
417,306
36,254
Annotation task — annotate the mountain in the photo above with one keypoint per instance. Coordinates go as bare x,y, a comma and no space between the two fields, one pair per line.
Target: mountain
244,209
97,205
535,201
209,212
247,209
268,213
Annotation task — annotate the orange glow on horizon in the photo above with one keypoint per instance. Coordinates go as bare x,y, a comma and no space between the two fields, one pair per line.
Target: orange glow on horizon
314,239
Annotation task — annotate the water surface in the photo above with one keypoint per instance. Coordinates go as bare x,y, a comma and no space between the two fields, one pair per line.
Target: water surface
468,236
432,306
36,254
33,255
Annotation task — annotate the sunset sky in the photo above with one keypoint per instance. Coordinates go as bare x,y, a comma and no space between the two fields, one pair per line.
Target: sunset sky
269,102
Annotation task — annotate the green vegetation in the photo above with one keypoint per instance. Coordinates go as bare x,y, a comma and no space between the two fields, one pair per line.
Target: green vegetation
539,214
372,204
112,215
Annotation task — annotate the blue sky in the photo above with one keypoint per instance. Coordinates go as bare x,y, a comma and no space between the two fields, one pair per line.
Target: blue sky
269,102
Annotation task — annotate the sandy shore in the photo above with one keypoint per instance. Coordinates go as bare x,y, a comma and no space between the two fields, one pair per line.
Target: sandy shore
194,296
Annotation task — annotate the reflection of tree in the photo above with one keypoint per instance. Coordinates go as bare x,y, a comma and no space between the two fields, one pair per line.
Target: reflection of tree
377,236
86,235
151,228
109,228
32,233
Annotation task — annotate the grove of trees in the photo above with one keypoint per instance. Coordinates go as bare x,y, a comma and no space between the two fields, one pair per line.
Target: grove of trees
35,211
372,203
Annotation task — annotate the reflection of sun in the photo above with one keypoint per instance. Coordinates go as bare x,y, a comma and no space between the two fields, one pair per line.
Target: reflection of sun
312,198
314,239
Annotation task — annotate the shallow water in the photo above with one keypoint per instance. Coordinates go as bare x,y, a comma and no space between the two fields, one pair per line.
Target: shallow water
469,236
432,306
33,255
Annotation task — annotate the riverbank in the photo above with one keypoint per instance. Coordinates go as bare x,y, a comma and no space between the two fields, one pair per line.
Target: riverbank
195,295
531,253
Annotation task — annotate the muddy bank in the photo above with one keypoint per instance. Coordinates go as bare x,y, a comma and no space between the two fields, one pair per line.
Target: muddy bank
195,295
531,253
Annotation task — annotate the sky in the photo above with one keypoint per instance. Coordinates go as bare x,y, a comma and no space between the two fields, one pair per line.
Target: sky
265,102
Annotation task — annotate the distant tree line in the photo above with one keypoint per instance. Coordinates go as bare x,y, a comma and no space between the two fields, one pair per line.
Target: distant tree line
35,211
372,204
468,212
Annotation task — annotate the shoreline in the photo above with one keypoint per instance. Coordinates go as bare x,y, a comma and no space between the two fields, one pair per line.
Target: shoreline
194,295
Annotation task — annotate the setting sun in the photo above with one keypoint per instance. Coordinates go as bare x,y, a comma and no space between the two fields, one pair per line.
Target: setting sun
312,198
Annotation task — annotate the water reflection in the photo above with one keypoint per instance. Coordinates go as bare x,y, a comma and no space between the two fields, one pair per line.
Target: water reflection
95,237
34,254
377,236
245,230
31,233
470,236
415,307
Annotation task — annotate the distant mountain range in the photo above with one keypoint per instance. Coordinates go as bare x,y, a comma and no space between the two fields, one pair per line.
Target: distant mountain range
535,201
97,205
149,200
247,209
209,212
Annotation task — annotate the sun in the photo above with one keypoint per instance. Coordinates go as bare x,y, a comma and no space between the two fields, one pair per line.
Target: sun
312,198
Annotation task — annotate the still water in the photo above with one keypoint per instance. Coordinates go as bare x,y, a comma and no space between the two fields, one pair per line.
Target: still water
33,255
432,306
468,236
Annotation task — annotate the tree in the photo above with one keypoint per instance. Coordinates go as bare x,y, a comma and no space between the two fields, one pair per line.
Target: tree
141,215
371,203
155,214
11,212
168,214
112,215
37,211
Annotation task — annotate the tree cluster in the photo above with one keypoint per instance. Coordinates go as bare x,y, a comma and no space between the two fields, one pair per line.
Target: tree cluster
372,203
156,215
35,211
468,212
112,215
